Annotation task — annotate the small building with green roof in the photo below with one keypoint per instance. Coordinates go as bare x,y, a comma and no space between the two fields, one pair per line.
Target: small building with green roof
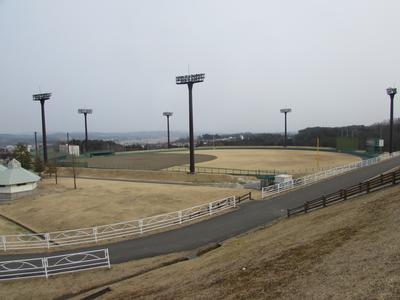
16,182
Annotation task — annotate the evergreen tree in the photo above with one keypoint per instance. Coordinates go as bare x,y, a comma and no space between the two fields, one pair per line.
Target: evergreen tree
22,154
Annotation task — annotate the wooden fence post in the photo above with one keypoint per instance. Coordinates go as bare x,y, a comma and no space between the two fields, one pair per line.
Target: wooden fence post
394,178
367,187
360,187
345,194
306,207
324,201
288,212
250,196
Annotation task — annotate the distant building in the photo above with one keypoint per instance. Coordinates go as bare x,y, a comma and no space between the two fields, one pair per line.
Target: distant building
69,149
16,182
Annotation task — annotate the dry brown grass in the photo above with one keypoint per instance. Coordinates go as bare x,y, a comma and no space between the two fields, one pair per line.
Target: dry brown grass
99,202
151,175
296,161
10,228
57,286
347,251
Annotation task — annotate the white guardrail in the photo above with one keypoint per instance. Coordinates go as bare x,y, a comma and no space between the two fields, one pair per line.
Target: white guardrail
52,265
117,230
309,179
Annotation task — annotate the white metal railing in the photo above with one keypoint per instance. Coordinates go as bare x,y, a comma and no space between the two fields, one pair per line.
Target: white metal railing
288,185
52,265
111,231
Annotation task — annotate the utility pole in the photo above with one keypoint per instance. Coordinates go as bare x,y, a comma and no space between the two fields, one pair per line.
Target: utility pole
190,80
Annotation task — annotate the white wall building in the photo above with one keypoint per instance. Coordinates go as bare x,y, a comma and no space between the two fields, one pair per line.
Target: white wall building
16,182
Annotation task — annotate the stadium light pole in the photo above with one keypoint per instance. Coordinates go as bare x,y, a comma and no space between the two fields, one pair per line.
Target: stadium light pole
168,114
190,80
285,111
85,112
42,98
36,146
391,92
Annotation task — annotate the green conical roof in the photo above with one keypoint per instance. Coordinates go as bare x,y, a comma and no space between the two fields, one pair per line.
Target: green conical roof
15,174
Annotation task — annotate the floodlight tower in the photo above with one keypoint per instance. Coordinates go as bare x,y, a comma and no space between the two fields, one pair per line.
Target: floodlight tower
85,112
190,80
391,92
168,114
42,98
286,111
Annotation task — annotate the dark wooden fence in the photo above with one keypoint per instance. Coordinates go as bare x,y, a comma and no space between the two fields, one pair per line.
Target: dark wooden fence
365,187
243,197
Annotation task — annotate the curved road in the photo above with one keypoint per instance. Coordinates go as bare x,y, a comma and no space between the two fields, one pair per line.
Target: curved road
250,215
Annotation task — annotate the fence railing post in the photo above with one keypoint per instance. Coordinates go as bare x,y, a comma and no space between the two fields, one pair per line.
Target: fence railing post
108,258
250,196
394,178
95,234
324,201
45,265
210,208
180,216
345,194
381,178
305,207
234,201
367,187
288,212
3,239
47,238
360,187
141,226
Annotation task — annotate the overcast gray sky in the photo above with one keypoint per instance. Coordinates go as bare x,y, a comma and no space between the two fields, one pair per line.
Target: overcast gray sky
331,61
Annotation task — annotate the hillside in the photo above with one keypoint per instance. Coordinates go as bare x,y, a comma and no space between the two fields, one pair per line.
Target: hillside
347,251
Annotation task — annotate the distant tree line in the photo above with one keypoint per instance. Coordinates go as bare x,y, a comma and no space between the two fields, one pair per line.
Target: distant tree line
308,136
97,145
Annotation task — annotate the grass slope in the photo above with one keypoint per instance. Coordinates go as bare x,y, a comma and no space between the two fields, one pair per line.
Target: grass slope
100,202
347,251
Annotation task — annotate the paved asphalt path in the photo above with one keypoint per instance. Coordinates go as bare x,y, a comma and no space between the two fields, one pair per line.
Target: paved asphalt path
250,215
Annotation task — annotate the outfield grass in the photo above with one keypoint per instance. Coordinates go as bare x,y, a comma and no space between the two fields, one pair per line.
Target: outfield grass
98,202
293,161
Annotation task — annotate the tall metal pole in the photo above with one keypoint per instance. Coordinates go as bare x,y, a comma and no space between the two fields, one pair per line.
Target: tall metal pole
86,134
391,125
169,143
42,98
44,137
285,129
391,92
85,112
285,111
191,134
190,80
168,114
36,145
67,138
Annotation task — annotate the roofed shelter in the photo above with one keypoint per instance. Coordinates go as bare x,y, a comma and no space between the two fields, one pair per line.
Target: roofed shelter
16,182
